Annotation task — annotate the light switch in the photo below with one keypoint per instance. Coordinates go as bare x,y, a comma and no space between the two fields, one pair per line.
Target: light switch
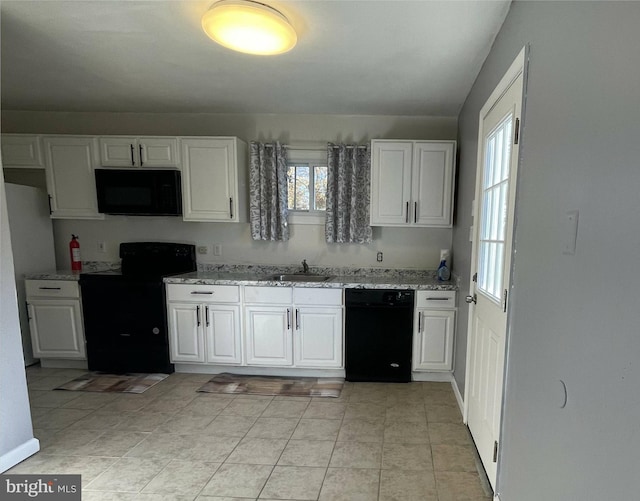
570,232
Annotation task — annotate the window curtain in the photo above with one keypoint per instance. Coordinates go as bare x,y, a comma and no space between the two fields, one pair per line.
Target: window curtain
348,180
268,192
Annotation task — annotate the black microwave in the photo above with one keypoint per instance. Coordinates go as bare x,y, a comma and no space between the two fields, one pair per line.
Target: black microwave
139,192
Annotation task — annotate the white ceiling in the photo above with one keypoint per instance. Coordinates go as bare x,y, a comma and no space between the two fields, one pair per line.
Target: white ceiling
372,57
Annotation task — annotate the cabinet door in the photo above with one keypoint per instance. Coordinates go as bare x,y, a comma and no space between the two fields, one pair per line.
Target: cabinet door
21,151
186,337
318,337
119,151
56,328
70,178
391,183
158,151
432,181
268,335
433,340
222,333
209,180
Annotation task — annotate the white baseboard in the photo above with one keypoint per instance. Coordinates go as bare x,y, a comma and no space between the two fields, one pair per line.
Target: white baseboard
432,376
258,371
18,454
456,392
55,363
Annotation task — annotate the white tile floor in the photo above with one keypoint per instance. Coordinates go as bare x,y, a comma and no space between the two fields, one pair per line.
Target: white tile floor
376,442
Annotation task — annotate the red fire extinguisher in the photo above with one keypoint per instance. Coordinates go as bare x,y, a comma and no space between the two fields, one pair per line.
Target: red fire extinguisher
74,250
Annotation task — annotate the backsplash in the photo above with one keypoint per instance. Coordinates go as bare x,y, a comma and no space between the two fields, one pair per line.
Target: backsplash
334,271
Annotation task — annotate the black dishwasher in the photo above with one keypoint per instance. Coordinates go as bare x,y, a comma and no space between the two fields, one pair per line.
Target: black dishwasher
378,335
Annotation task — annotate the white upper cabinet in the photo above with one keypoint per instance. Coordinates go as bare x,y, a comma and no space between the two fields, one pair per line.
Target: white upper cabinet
412,183
69,168
214,179
134,151
22,151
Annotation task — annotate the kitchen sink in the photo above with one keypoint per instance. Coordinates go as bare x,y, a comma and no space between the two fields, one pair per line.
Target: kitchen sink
299,277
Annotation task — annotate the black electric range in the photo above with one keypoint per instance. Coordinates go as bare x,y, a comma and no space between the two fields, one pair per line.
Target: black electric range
125,316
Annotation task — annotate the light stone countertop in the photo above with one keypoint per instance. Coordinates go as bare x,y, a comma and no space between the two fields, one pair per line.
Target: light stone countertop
419,282
345,278
87,267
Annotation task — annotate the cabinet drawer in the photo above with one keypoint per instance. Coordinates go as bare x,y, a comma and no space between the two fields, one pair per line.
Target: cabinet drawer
204,293
436,299
52,288
268,295
311,296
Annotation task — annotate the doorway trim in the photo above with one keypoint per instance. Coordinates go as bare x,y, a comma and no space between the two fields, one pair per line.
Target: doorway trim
517,68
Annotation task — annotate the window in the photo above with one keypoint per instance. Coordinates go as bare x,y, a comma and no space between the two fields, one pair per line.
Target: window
307,183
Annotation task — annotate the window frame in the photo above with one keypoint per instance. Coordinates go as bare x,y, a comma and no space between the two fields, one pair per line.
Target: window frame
312,158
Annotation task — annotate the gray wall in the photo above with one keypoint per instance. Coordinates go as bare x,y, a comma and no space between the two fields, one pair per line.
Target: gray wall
574,317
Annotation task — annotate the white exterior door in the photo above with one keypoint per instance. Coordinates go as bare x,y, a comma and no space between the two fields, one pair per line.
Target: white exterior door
222,333
493,232
186,335
56,328
268,335
318,337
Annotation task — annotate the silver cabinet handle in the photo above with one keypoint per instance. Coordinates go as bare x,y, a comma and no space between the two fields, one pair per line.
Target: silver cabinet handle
201,292
420,322
140,150
415,212
198,315
437,299
406,216
133,161
288,319
50,288
297,320
206,315
230,207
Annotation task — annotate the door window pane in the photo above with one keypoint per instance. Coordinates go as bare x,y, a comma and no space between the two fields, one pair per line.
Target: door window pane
495,190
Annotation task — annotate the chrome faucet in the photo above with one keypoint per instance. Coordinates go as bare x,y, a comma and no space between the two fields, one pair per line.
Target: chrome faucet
305,266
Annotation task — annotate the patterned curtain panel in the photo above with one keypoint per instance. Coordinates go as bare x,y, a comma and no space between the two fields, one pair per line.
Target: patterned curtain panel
268,192
348,180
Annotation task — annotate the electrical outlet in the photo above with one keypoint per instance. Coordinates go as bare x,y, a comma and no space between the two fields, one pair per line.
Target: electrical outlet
203,249
379,257
102,247
217,250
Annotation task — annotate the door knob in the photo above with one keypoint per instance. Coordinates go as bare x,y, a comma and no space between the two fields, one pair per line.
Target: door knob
471,299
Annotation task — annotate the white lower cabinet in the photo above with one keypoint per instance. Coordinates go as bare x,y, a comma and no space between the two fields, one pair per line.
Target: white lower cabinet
435,317
55,319
283,327
204,324
318,323
318,337
268,335
186,335
299,327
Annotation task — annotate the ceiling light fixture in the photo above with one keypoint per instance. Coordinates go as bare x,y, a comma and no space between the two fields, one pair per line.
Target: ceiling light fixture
250,27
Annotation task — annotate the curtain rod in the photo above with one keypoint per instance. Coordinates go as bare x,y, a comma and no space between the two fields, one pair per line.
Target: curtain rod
318,148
